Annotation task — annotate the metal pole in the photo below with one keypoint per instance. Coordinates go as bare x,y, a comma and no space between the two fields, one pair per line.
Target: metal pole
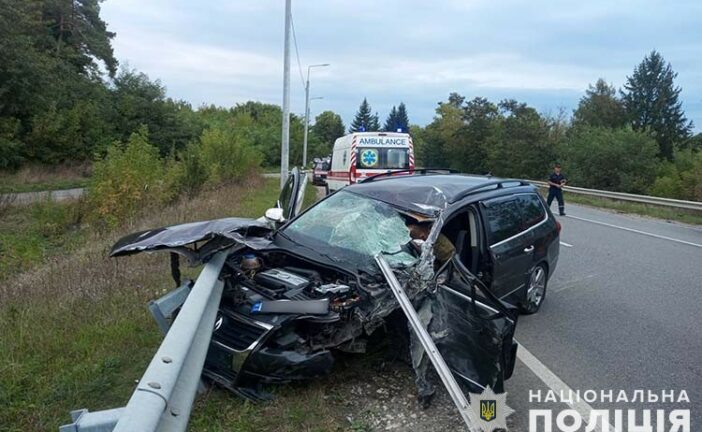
307,119
285,144
307,111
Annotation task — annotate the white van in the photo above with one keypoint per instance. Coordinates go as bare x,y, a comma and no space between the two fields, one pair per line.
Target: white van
364,154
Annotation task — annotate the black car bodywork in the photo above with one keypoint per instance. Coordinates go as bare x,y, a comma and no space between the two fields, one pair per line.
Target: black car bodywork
324,293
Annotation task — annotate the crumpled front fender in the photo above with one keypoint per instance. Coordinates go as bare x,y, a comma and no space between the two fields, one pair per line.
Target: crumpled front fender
176,238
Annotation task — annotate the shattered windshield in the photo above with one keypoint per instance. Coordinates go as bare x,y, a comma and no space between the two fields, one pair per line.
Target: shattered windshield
346,222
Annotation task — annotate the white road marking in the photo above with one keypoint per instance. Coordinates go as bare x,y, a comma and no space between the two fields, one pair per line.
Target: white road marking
636,231
566,244
556,384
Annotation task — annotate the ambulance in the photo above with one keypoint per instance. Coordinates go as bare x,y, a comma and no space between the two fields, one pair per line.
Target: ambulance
364,154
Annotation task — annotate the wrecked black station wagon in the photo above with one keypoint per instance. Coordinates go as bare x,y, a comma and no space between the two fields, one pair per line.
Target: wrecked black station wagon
300,287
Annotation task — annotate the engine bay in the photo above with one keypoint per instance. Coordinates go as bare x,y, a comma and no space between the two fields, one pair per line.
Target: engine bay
328,306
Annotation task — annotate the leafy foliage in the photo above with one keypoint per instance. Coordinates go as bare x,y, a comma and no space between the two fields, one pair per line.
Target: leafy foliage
682,177
131,177
611,159
55,105
600,107
226,156
328,126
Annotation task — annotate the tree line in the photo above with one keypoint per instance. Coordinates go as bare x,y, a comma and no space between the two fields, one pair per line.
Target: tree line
63,97
633,140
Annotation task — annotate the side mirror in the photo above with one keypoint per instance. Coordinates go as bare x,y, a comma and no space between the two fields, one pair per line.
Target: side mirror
275,215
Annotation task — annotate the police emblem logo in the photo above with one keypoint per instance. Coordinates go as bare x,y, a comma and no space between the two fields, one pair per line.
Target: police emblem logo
488,409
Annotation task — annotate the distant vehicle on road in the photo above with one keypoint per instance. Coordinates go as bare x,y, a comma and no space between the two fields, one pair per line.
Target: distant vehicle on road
363,154
320,171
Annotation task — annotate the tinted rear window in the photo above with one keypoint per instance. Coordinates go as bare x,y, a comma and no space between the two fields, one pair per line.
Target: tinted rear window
504,219
383,157
533,210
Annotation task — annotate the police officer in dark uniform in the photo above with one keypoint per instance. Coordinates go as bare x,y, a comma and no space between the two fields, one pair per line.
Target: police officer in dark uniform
556,181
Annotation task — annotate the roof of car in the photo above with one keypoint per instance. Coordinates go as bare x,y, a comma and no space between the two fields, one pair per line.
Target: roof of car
430,193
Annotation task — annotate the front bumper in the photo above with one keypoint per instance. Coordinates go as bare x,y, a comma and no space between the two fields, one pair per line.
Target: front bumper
239,358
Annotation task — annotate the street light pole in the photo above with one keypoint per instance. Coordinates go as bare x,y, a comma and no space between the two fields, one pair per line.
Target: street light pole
307,111
307,115
285,143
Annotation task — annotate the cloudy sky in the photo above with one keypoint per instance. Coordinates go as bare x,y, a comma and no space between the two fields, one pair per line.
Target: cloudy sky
417,51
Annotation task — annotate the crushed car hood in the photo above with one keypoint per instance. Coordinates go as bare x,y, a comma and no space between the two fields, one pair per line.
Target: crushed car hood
176,236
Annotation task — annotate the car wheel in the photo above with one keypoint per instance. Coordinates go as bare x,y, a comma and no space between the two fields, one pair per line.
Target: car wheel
536,290
326,189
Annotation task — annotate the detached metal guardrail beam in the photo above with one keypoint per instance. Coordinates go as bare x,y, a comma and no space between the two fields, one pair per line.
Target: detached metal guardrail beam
442,369
164,396
642,199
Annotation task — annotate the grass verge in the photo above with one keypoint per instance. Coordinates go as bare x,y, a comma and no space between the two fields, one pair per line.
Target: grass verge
76,332
636,208
31,234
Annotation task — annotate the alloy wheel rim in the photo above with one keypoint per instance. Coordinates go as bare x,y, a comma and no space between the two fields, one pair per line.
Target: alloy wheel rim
537,285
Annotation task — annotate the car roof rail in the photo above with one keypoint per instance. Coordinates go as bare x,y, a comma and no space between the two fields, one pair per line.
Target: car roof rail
413,171
498,184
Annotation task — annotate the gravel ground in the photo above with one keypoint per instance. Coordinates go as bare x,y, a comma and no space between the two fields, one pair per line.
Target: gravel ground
386,400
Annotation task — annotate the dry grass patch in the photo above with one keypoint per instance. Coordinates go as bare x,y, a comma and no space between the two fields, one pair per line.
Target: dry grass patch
32,178
75,328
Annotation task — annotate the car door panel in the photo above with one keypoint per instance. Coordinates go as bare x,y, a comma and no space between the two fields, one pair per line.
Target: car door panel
512,261
293,193
511,249
473,331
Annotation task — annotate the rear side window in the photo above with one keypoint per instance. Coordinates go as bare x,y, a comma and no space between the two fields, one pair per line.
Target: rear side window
533,210
504,219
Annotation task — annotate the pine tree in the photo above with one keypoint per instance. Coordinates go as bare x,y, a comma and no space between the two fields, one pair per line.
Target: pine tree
391,121
651,100
402,119
374,124
364,120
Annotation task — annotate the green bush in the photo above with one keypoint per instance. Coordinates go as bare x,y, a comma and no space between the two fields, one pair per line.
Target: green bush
192,173
611,159
681,178
10,146
132,176
226,155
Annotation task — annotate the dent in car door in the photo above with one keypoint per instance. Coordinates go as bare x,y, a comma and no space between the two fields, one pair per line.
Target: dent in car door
473,330
293,193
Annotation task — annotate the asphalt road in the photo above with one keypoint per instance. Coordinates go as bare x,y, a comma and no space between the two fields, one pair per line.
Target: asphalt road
621,313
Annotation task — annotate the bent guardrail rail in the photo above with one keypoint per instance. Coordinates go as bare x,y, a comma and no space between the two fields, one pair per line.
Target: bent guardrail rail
442,369
163,399
642,199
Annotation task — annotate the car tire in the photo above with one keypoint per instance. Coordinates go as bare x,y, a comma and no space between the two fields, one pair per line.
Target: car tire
535,290
326,189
